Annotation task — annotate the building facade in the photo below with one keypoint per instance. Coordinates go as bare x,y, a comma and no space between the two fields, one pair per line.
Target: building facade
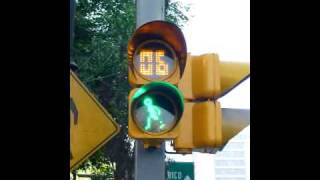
233,163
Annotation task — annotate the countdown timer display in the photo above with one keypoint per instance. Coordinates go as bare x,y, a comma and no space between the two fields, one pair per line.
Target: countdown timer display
155,60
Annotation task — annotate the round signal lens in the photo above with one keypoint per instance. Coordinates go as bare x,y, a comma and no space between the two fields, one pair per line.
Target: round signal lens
157,107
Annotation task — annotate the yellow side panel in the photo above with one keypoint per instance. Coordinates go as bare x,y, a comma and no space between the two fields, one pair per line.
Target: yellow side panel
205,76
184,142
185,83
206,124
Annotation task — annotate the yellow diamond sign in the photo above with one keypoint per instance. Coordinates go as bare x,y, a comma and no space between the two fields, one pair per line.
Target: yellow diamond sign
91,126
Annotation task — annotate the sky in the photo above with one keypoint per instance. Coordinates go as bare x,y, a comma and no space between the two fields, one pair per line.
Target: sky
222,27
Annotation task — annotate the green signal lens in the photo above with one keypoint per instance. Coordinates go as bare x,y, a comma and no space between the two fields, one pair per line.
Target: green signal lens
155,113
158,108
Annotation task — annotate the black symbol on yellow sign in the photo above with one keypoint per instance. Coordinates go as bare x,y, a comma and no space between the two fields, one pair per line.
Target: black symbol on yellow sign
74,110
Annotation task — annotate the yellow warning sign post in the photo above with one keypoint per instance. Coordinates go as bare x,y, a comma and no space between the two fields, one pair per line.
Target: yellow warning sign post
91,126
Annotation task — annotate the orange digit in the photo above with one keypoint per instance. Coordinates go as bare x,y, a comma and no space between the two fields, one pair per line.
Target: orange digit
161,66
146,62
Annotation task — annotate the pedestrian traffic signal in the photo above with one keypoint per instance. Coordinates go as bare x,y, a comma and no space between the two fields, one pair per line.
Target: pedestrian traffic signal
156,61
168,104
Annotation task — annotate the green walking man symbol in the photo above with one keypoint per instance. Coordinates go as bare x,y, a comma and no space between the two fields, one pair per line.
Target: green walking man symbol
154,113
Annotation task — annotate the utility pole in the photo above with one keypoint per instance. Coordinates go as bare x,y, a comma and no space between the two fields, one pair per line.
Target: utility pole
149,163
72,7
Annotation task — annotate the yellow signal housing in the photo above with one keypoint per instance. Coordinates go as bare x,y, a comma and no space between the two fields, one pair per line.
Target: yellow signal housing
233,122
232,74
184,142
185,83
205,76
204,80
157,54
207,124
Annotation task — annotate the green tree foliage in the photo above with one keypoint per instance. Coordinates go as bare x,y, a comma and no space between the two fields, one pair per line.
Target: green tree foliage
176,12
102,31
